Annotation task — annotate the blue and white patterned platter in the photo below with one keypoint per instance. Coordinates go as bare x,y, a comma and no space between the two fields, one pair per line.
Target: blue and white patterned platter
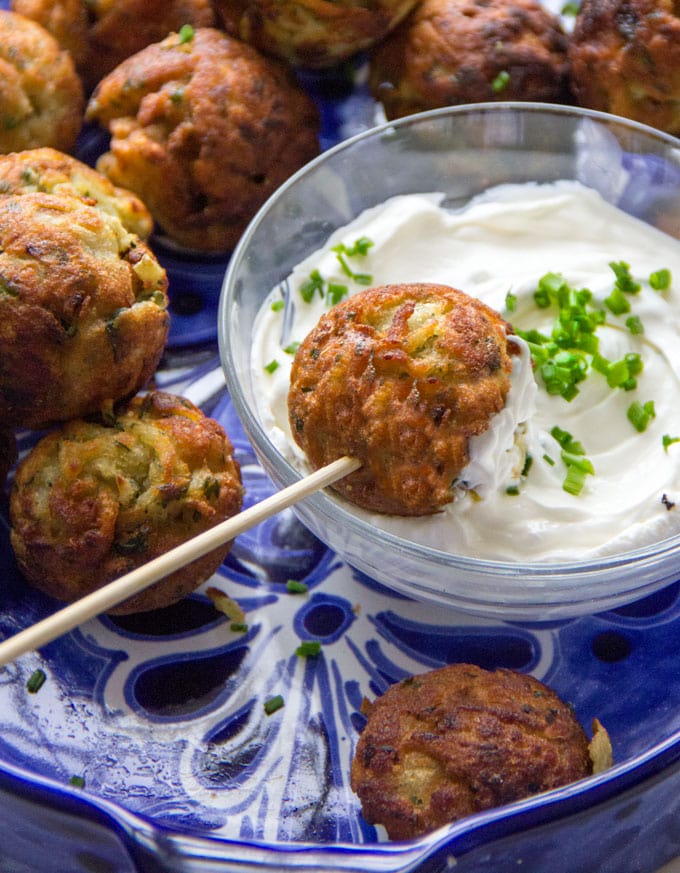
148,747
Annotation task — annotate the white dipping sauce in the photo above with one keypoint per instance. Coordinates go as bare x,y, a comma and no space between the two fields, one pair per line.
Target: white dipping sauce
502,243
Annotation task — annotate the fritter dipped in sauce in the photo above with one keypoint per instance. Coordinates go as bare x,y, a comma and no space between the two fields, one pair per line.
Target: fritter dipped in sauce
94,499
400,377
458,740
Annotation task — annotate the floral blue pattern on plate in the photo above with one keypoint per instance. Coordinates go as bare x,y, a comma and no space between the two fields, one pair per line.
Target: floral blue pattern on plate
162,716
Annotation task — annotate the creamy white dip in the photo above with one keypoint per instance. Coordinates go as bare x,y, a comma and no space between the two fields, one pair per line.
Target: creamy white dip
501,245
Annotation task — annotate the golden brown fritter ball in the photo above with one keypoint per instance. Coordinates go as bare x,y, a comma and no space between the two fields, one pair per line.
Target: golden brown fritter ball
83,309
54,172
93,500
458,740
41,95
400,377
625,59
313,34
8,453
449,52
100,34
204,129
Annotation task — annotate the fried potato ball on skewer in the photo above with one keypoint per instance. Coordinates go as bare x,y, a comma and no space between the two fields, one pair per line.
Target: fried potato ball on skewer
400,377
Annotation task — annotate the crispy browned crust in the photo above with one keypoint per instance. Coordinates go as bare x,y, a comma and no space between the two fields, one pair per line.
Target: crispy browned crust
625,59
204,131
458,740
93,500
449,52
41,95
100,34
315,34
83,309
53,172
400,377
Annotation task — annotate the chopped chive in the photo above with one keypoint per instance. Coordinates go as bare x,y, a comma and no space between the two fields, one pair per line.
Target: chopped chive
186,34
308,648
362,278
570,8
501,82
616,302
624,280
291,348
510,301
77,781
295,587
311,285
359,247
272,704
35,681
578,461
335,292
549,460
574,480
566,441
272,366
660,280
278,305
512,490
640,414
238,627
634,325
668,440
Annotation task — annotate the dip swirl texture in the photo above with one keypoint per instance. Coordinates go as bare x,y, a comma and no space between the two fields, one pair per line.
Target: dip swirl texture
498,248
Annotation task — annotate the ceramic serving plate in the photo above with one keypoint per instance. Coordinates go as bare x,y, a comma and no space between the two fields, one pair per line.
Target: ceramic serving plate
149,748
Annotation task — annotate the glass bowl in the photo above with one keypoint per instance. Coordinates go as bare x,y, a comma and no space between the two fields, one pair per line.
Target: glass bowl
460,151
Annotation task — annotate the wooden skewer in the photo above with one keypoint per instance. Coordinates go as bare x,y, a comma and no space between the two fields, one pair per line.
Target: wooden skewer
137,580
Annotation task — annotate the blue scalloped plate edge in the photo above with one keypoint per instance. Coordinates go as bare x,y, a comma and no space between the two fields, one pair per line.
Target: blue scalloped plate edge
156,847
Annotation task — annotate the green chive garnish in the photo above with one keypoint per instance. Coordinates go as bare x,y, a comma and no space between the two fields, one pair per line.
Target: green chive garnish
308,648
272,704
660,280
272,366
295,587
35,681
640,414
668,440
186,34
501,82
77,781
